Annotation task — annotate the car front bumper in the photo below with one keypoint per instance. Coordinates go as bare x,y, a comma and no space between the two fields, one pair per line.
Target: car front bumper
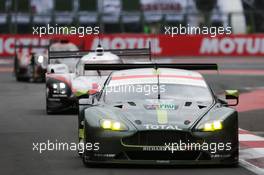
60,104
113,150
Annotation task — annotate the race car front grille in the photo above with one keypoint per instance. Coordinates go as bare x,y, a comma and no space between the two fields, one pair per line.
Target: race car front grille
164,155
158,138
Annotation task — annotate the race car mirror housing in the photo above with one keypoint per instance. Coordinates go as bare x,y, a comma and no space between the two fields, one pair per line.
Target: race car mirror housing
85,101
232,95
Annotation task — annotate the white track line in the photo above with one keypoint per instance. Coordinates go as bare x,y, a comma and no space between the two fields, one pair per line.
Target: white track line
250,153
251,167
250,137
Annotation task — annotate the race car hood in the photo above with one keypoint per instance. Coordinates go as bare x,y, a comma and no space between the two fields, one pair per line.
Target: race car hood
162,114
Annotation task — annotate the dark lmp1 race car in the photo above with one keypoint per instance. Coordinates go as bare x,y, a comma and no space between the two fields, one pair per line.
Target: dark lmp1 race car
158,114
67,81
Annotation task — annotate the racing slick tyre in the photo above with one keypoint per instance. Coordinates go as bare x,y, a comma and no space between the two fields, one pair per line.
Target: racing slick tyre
48,110
16,70
19,78
31,72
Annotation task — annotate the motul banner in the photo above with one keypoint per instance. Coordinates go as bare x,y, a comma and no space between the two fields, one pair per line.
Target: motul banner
161,45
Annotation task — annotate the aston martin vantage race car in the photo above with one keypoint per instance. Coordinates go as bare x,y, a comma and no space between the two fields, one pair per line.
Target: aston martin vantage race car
67,80
30,63
162,114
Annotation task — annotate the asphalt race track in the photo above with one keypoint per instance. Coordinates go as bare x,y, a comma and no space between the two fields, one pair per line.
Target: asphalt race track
23,121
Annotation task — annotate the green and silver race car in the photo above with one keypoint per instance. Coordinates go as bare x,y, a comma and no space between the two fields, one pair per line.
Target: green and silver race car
158,114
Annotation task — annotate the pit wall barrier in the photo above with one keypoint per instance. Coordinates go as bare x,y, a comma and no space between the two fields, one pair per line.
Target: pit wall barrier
161,45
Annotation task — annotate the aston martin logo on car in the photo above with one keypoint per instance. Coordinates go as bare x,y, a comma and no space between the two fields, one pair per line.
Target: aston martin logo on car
162,127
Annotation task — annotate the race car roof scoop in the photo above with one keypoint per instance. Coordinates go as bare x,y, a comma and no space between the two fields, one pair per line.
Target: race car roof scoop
99,50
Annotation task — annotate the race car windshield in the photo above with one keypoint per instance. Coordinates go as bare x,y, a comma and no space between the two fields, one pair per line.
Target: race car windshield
70,62
96,73
124,93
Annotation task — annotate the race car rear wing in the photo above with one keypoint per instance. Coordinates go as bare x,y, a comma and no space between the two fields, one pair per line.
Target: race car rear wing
187,66
144,52
33,48
30,46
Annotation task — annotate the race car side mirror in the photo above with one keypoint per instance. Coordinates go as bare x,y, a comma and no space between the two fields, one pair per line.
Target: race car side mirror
232,96
85,101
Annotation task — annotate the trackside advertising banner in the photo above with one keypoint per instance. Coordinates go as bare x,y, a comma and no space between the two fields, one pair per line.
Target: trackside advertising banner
161,45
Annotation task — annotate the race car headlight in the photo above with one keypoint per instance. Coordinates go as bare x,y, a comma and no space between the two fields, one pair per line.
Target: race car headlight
40,59
59,88
113,125
212,126
55,86
62,85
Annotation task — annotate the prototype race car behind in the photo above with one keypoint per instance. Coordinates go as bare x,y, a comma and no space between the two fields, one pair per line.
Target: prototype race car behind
158,114
30,63
67,80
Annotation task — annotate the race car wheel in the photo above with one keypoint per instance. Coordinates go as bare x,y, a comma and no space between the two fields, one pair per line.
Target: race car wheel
19,78
16,70
31,72
48,110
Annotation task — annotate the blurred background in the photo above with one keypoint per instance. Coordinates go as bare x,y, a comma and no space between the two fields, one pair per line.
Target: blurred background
131,16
